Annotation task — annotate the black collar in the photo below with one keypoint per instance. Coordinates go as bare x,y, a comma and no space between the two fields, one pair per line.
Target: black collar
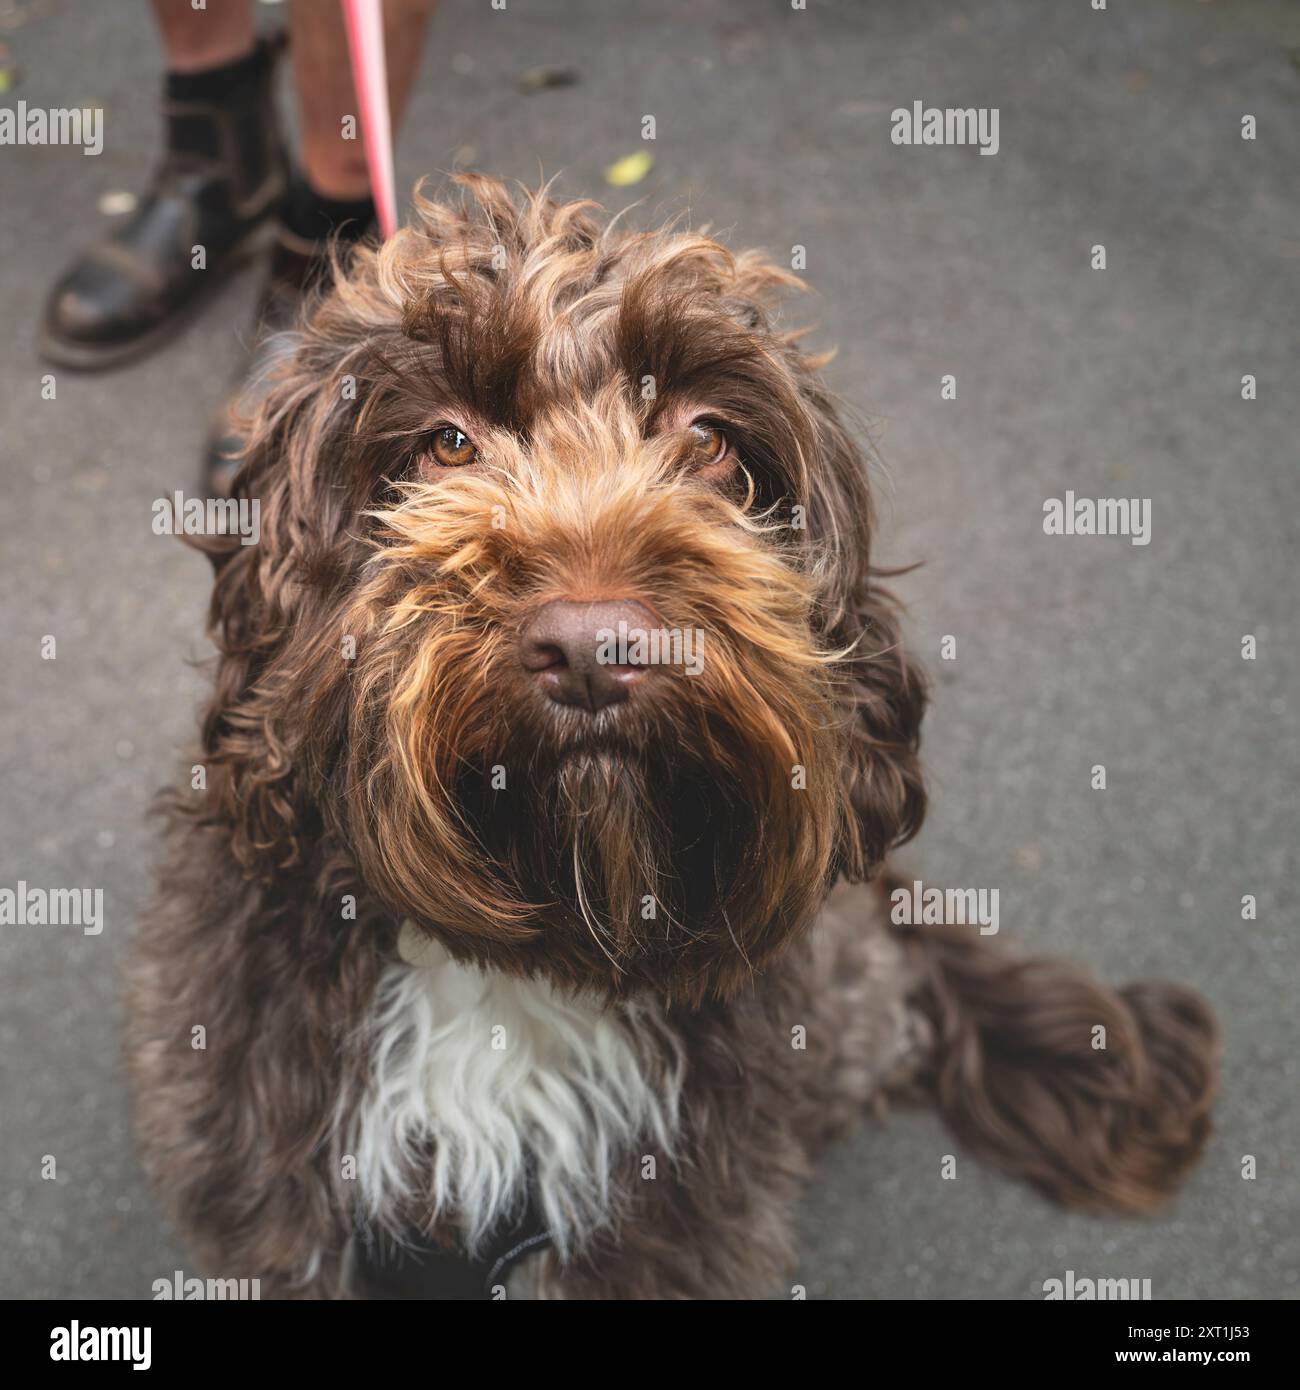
381,1267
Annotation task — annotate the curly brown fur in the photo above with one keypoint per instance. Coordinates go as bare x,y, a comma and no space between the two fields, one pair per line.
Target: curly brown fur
368,693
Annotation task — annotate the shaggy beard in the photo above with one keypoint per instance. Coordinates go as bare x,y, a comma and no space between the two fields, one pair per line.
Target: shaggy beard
642,866
680,858
675,845
641,861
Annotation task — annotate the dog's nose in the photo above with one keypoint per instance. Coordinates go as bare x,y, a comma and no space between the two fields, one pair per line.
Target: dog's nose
578,652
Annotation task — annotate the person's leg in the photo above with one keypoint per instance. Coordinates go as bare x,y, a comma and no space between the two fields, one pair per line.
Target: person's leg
194,40
222,175
322,74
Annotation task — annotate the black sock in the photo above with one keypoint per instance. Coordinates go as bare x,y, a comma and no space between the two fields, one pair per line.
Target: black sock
224,85
313,217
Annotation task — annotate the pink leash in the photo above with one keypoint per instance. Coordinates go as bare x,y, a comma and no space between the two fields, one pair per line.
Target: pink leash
365,23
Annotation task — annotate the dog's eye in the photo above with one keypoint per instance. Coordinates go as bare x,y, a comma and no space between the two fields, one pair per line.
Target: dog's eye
708,445
452,447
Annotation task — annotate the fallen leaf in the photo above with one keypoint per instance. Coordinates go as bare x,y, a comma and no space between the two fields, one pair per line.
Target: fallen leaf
632,168
1029,856
116,202
538,79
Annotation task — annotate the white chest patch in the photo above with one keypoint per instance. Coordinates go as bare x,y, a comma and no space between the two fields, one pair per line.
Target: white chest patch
481,1082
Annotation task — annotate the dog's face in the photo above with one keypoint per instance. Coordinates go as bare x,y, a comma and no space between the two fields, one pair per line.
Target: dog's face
562,625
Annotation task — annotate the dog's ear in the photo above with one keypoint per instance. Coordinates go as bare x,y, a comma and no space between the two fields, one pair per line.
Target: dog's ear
270,609
885,697
883,690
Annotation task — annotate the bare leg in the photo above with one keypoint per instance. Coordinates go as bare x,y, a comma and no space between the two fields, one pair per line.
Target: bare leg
198,39
333,166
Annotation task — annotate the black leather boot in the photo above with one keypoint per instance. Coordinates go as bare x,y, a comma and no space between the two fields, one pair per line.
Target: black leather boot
221,179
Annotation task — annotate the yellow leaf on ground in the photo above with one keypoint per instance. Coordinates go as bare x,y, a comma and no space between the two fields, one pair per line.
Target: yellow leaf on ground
632,168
